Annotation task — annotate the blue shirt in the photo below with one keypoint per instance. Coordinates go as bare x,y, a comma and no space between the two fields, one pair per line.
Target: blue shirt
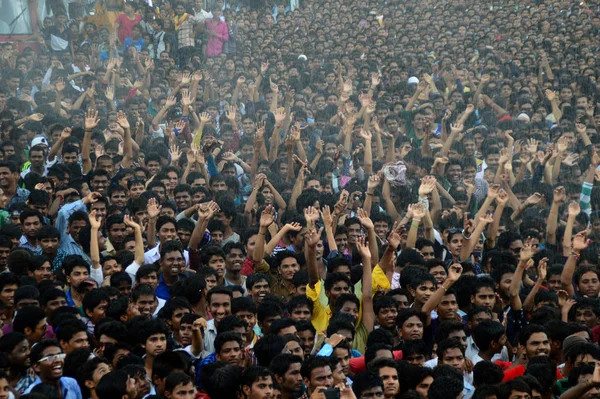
162,291
67,243
69,387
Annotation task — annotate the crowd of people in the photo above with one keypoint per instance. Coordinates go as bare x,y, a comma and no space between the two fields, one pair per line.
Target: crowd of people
248,200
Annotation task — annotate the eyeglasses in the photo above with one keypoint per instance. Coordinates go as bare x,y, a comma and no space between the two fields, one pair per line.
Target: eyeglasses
50,358
455,230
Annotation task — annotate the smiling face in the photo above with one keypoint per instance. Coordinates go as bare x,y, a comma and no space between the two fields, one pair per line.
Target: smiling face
537,345
50,366
287,268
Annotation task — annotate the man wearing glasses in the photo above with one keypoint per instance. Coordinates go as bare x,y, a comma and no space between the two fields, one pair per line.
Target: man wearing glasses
48,359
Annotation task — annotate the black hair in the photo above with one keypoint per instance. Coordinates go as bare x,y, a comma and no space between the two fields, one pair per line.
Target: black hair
28,317
486,332
372,350
267,348
487,373
365,381
166,362
225,337
281,363
445,387
177,378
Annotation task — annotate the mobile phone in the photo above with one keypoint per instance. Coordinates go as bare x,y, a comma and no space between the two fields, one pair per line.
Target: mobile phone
331,393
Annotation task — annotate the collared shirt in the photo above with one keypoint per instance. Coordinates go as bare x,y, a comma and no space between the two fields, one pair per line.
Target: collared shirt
185,33
152,255
58,258
472,352
20,196
69,387
279,288
24,243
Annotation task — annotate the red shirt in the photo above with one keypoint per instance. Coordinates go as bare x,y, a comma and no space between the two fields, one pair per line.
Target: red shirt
126,25
358,365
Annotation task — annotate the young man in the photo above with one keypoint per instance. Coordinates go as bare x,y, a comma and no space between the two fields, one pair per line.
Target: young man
153,338
258,287
219,304
179,386
166,230
31,223
533,340
229,348
490,338
116,385
91,373
234,261
172,264
47,359
145,300
257,383
286,368
388,372
72,335
8,285
16,347
368,385
316,372
32,322
246,310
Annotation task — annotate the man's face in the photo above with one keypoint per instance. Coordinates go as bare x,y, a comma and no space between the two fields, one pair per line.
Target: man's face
320,377
184,391
50,366
231,353
424,291
287,268
156,344
484,297
183,199
7,295
37,159
308,341
153,167
292,379
259,291
589,285
412,328
77,276
117,233
301,313
44,272
354,231
386,317
448,307
79,340
147,305
262,388
172,263
218,186
118,198
455,358
537,345
6,177
173,179
375,392
391,383
220,306
586,316
100,183
167,232
31,226
234,260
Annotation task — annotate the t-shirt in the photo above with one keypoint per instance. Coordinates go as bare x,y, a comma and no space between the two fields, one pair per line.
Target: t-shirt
126,25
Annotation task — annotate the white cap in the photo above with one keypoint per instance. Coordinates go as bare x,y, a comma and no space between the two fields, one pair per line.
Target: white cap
302,57
413,79
39,140
523,117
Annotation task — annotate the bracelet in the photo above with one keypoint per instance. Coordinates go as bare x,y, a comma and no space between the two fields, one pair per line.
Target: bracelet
465,237
262,234
416,225
575,255
445,289
370,194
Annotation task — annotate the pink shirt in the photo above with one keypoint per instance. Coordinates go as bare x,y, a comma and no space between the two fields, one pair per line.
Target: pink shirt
214,46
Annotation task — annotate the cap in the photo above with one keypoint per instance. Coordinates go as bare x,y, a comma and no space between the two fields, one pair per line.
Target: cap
302,57
39,140
523,117
413,79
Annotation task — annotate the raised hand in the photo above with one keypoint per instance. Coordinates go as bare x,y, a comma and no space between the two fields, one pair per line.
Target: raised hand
364,218
205,117
122,120
534,199
230,114
560,195
207,210
326,216
363,248
502,198
313,237
427,186
373,183
153,208
365,134
91,119
456,128
60,85
65,134
454,272
171,101
574,209
95,220
175,153
311,214
542,269
128,220
418,211
527,251
279,116
267,217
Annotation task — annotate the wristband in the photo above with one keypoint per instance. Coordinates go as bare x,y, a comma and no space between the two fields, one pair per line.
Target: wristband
575,255
415,225
445,289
